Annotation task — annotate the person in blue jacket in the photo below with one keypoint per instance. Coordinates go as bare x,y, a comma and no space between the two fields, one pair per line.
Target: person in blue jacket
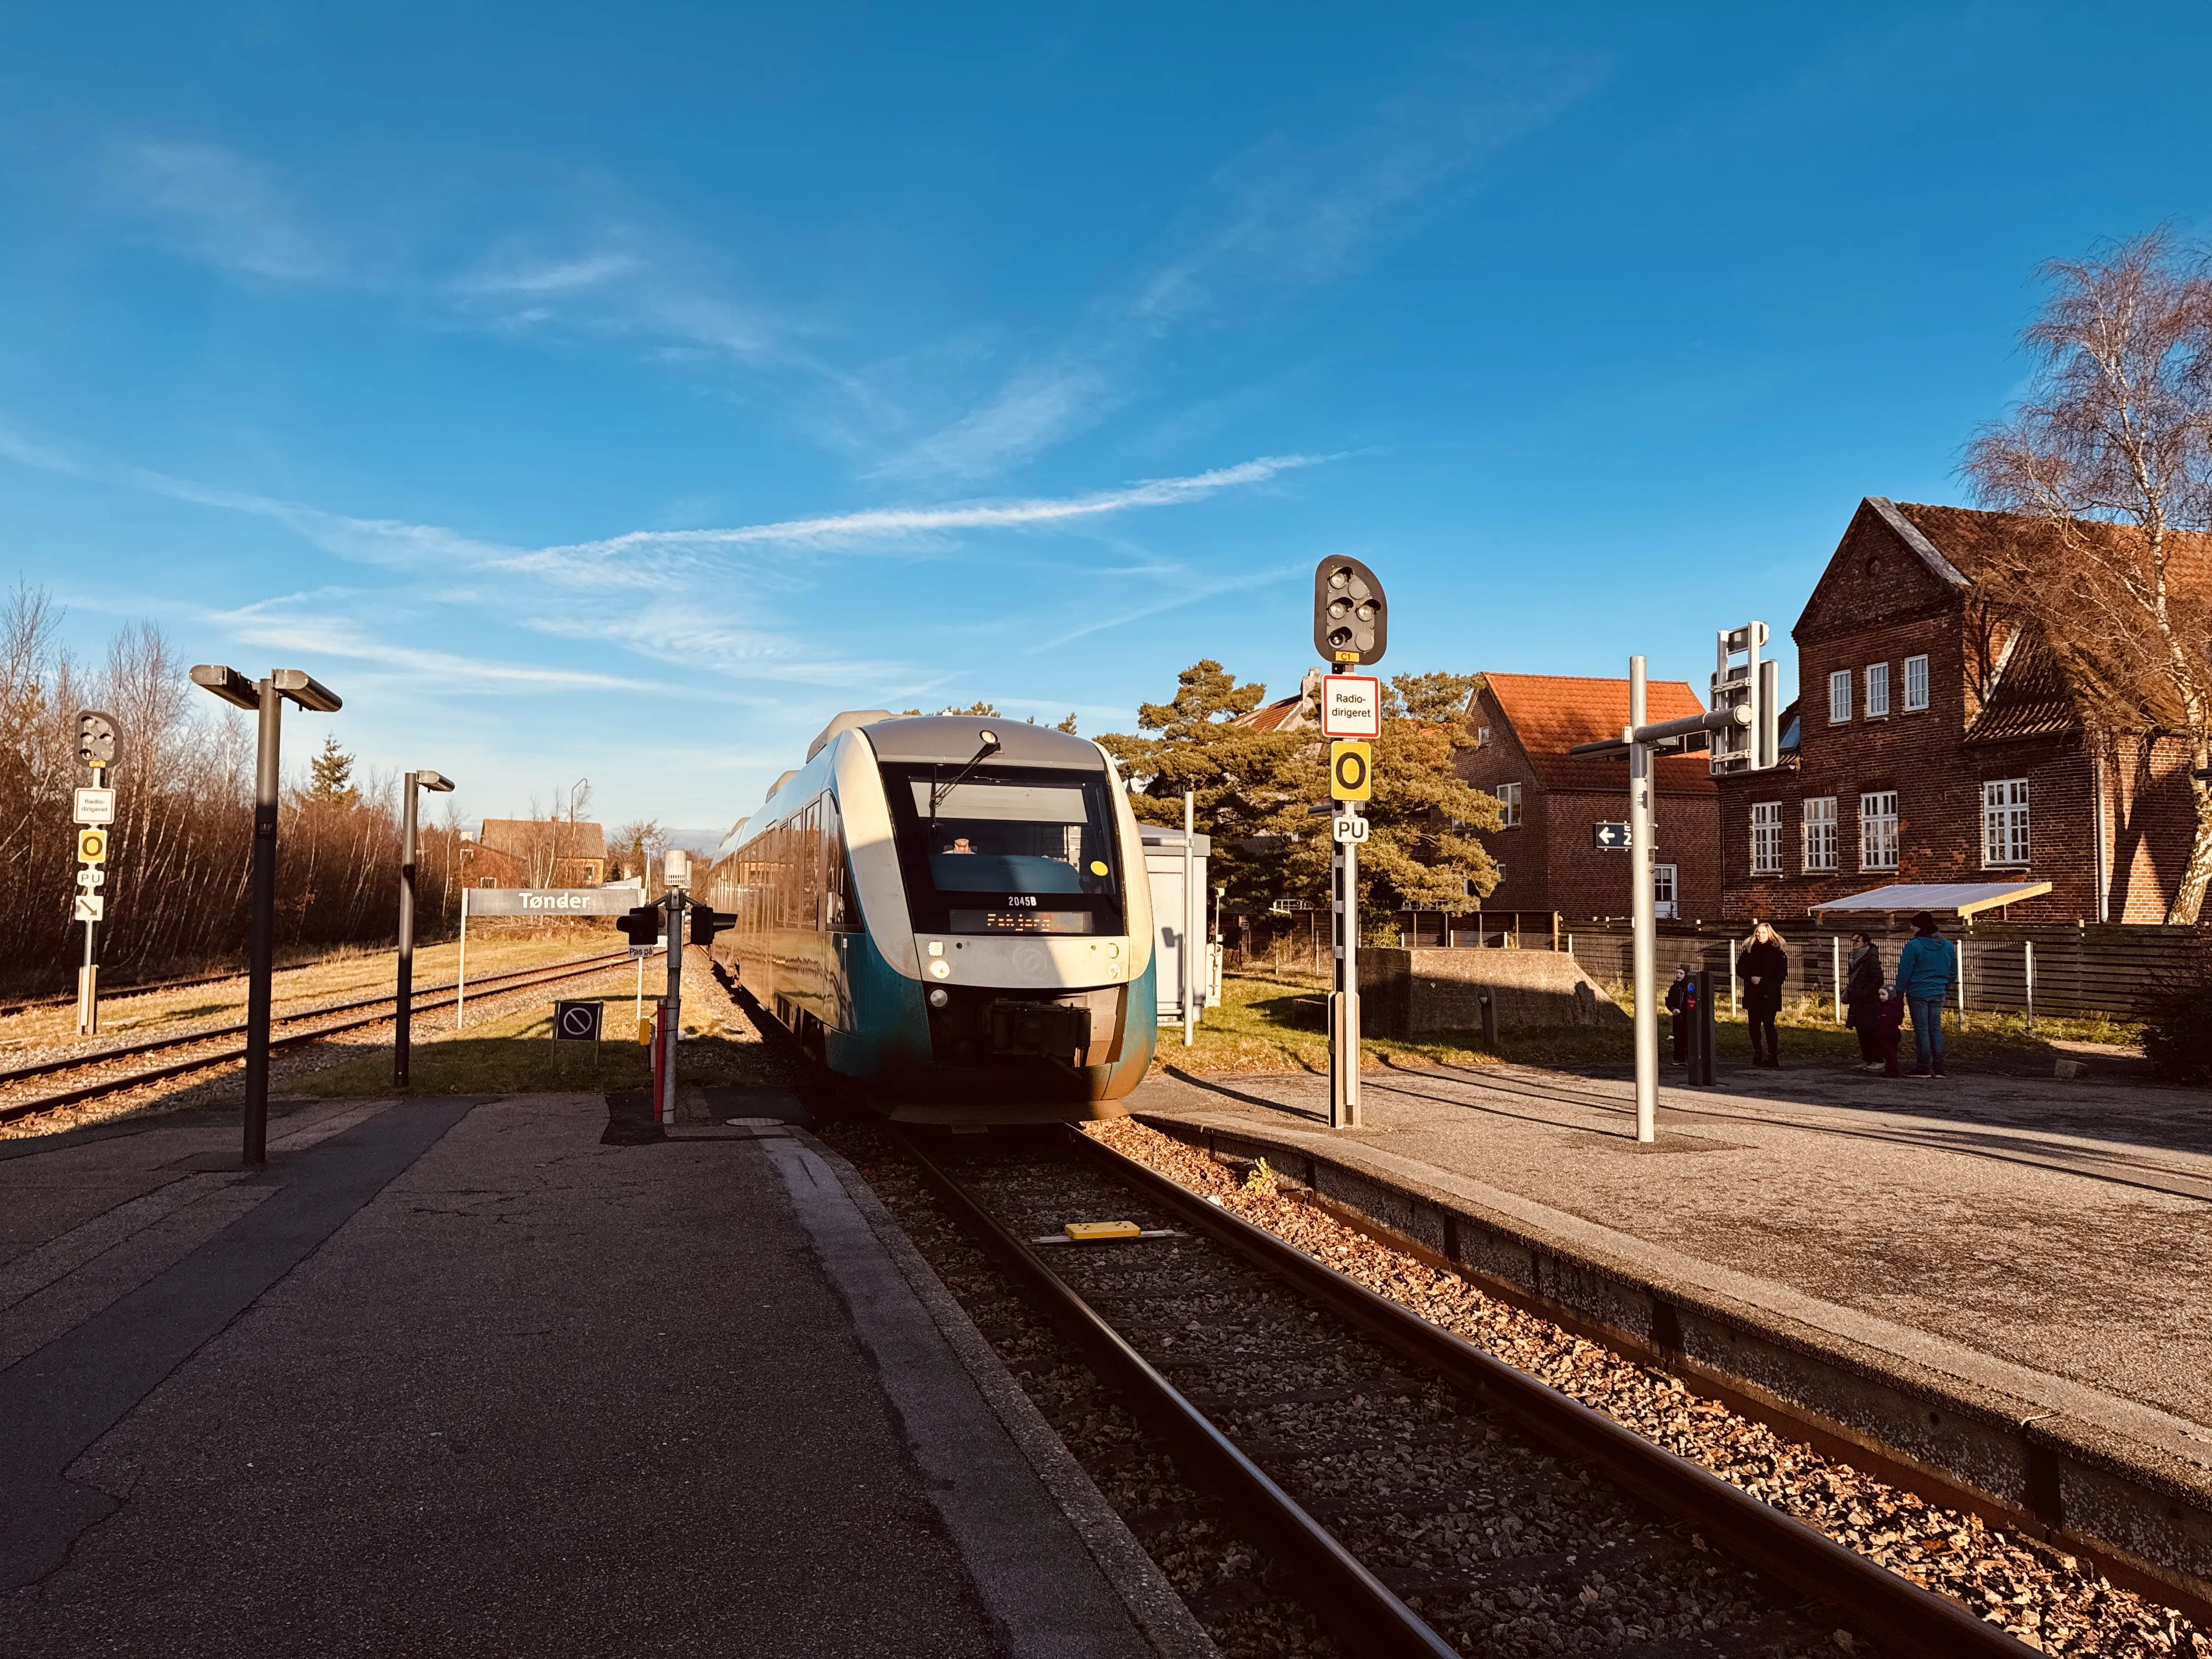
1927,969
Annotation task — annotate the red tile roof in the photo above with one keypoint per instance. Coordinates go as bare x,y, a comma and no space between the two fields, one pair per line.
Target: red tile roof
1552,712
1279,717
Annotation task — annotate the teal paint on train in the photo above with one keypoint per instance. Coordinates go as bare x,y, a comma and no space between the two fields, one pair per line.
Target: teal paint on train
890,1036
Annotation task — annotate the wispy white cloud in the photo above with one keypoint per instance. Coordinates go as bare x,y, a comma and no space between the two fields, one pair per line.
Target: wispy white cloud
569,276
1280,219
676,581
227,209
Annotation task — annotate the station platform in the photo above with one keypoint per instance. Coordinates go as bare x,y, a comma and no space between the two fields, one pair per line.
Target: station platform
451,1377
2005,1280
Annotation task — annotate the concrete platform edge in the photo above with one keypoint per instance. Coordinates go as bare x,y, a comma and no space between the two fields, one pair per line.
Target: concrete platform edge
2143,1513
1157,1612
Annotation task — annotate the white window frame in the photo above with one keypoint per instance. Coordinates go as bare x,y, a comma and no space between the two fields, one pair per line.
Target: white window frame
1839,697
2006,839
1817,830
1877,690
1878,817
1766,838
1508,798
1664,888
1916,679
1481,737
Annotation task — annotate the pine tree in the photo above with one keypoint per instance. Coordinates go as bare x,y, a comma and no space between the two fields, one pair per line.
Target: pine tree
1066,725
330,778
1252,789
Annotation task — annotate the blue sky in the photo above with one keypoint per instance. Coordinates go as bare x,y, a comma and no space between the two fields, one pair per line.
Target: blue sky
619,391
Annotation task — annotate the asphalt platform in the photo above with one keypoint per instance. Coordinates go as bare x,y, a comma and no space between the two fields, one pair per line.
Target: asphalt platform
2044,1241
451,1377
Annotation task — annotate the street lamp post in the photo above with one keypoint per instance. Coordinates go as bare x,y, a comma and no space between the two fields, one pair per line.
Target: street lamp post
402,1028
265,698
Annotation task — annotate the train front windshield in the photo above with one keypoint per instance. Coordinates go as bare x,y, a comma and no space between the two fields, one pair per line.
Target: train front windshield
1007,851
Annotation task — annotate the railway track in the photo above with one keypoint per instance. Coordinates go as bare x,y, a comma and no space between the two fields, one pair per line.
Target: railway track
427,999
1432,1500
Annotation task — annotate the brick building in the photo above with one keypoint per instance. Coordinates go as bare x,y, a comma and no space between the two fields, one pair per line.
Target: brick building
1524,724
1936,741
534,853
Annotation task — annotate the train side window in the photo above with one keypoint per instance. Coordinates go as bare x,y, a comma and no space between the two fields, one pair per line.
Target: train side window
839,911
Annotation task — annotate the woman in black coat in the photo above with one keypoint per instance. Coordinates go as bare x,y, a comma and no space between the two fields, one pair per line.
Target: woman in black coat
1863,998
1763,967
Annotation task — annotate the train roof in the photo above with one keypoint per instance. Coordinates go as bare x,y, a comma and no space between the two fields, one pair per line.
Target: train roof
956,737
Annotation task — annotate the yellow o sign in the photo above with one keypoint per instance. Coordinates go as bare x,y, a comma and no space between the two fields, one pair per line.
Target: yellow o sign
91,846
1351,771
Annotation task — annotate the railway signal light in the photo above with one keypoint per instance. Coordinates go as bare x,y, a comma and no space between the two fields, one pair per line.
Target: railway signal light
95,739
707,922
641,926
1754,684
1351,619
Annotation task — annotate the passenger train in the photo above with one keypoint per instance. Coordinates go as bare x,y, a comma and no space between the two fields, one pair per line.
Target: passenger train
952,915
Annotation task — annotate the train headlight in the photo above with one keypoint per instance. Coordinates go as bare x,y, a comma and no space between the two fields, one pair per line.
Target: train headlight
940,970
939,996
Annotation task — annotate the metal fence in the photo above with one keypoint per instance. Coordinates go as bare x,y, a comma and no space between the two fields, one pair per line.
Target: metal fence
2058,969
2055,968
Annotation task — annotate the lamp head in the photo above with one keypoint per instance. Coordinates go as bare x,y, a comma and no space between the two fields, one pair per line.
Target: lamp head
436,782
227,684
306,690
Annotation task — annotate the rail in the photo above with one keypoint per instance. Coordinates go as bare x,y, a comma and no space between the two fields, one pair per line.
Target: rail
520,979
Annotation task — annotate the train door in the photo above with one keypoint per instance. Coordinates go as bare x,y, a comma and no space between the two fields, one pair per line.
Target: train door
840,917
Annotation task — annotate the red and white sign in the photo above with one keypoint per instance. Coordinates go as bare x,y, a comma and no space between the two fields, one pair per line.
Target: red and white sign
1351,706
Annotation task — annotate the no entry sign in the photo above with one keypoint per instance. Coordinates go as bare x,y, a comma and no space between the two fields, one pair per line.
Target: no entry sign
576,1022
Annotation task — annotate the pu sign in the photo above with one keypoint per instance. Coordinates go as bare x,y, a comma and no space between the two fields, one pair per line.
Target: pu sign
1351,706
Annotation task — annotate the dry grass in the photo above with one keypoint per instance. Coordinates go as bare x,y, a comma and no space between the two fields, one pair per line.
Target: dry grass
1258,1029
335,978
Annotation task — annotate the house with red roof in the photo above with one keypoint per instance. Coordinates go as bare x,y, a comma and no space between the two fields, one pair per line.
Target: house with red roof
1523,726
1936,741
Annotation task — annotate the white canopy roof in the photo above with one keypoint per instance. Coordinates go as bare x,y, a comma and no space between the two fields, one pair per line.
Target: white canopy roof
1958,898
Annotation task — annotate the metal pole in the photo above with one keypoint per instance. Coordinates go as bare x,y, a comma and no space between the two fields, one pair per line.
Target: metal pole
1835,972
675,906
639,1013
1642,909
87,979
404,1003
1189,876
461,973
261,944
1735,1002
2027,963
1351,1057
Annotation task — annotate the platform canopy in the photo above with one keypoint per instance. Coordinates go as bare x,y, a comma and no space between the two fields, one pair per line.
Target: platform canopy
1955,898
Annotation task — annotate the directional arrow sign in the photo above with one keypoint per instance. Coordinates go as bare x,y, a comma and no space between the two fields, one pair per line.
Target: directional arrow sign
90,906
1612,837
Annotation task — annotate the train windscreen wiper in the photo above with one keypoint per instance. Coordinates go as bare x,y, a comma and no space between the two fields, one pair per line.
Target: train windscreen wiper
937,790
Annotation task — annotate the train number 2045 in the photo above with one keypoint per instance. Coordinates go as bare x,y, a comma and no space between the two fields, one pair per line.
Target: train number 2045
1027,899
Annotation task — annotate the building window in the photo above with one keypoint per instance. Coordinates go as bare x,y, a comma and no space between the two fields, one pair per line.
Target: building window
1766,838
1877,692
486,882
1915,683
2004,821
1839,696
1878,830
1481,737
1820,835
1508,798
1662,891
1498,865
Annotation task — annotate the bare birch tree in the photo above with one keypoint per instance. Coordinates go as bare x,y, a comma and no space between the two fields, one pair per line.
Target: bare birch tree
2111,452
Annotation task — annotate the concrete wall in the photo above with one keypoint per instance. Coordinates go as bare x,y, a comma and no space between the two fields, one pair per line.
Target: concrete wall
1403,993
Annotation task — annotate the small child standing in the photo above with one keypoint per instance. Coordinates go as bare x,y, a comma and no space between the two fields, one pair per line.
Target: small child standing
1892,1019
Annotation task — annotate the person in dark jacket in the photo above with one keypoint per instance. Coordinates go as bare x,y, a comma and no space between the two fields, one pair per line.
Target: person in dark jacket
1678,1008
1890,1015
1862,984
1763,967
1927,968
